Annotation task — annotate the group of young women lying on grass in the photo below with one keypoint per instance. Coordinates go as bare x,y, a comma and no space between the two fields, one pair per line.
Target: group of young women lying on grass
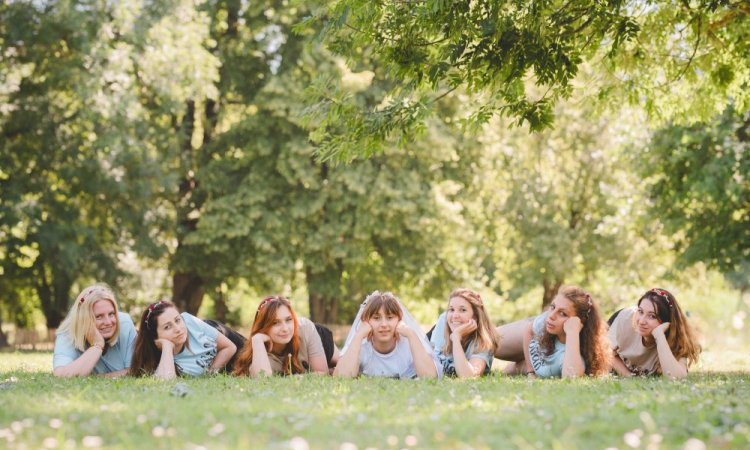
569,339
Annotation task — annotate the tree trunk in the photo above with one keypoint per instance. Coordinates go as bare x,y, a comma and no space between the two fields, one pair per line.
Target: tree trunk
324,289
3,337
187,286
54,296
220,305
550,290
323,308
187,292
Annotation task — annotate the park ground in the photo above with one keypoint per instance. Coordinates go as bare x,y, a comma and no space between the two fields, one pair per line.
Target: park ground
710,409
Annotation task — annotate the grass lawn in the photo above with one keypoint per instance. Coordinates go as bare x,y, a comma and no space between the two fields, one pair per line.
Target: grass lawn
710,409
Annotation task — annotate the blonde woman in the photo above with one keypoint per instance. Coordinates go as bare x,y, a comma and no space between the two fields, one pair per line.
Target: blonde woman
464,337
94,338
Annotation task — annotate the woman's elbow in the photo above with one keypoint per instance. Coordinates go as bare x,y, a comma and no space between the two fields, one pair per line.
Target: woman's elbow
676,375
66,372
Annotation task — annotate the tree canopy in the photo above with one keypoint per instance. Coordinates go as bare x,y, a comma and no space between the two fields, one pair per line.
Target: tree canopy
653,54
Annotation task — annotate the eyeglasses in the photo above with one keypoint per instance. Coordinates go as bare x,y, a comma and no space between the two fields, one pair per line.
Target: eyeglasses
663,294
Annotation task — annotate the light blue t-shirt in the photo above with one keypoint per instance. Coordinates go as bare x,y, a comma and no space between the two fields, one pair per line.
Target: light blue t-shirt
116,358
545,366
437,339
200,349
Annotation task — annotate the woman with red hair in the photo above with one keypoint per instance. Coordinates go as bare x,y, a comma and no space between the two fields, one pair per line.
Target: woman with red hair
282,343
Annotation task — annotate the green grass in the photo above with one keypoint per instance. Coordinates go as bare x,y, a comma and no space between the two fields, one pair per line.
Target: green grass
38,410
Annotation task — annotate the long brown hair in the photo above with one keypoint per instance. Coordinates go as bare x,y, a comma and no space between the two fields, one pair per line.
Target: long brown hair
264,320
680,336
146,354
485,337
593,338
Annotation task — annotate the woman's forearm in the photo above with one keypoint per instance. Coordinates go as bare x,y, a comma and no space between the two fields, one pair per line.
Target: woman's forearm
423,362
348,365
572,361
261,364
83,365
464,367
166,369
670,367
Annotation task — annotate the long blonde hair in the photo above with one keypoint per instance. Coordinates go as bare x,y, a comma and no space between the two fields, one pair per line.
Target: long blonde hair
80,319
485,337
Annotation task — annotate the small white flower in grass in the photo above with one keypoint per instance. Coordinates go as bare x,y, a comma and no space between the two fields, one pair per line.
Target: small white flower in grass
347,446
141,419
16,426
49,442
694,444
158,431
92,441
55,423
392,440
410,440
216,429
5,432
298,443
632,439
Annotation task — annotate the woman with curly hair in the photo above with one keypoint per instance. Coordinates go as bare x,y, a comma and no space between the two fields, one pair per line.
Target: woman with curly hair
653,338
567,340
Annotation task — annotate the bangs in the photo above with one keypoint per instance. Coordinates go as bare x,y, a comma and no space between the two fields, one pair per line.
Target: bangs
387,302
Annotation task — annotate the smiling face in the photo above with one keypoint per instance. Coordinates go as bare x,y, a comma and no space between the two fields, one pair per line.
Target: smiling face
105,318
170,326
459,313
561,309
281,331
384,324
646,318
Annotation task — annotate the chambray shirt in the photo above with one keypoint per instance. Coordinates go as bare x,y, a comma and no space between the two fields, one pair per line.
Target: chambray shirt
115,358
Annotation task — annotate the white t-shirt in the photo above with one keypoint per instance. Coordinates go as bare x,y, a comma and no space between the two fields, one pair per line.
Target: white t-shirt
396,364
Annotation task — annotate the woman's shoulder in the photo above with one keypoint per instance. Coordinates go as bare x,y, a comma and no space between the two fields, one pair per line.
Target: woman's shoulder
624,318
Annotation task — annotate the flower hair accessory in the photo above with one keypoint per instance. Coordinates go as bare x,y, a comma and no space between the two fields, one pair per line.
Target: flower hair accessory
663,294
151,309
266,301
